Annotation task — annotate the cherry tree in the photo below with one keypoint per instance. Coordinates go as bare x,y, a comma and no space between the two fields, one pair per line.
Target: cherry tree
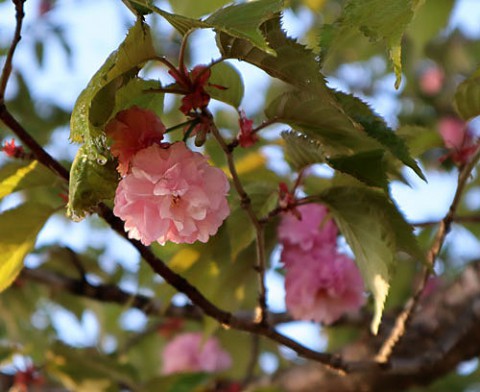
170,161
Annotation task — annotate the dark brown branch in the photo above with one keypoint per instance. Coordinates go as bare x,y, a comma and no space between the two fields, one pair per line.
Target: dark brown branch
402,320
7,67
445,333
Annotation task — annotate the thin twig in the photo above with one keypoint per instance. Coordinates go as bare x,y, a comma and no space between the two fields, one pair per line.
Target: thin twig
259,228
403,319
7,67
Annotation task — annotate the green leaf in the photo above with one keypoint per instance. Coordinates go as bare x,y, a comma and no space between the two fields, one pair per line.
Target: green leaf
185,382
243,20
376,128
226,75
467,97
302,151
195,8
236,21
321,118
292,63
376,231
96,102
378,20
16,176
139,92
91,181
368,167
19,228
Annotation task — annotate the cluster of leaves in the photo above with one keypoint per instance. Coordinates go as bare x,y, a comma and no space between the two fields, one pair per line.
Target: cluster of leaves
324,127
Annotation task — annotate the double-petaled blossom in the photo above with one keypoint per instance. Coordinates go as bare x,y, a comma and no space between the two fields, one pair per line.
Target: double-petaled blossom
132,130
314,226
458,138
246,136
190,352
321,284
171,194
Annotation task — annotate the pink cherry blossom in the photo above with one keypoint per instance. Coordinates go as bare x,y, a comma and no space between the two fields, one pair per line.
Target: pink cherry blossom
172,194
431,80
321,284
458,138
189,352
314,226
132,130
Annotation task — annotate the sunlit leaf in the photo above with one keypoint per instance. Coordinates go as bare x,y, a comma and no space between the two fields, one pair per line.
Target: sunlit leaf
292,62
467,97
375,231
243,20
195,8
17,176
19,228
378,20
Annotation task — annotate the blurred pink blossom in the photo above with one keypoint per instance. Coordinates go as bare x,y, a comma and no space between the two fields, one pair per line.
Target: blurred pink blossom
458,138
314,226
172,194
189,352
132,130
321,284
431,80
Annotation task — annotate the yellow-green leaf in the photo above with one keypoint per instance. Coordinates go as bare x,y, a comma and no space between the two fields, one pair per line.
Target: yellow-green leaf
467,97
19,228
376,231
16,176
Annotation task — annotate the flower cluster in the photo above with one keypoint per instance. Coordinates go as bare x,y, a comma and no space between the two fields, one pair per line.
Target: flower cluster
190,352
321,284
168,192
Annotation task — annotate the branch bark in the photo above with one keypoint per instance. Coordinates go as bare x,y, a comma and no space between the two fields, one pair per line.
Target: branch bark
444,331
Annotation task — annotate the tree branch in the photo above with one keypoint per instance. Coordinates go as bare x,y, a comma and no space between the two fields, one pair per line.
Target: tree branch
445,333
7,67
401,323
259,227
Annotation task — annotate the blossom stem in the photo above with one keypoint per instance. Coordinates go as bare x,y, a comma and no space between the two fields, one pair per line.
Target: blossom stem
403,319
259,227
